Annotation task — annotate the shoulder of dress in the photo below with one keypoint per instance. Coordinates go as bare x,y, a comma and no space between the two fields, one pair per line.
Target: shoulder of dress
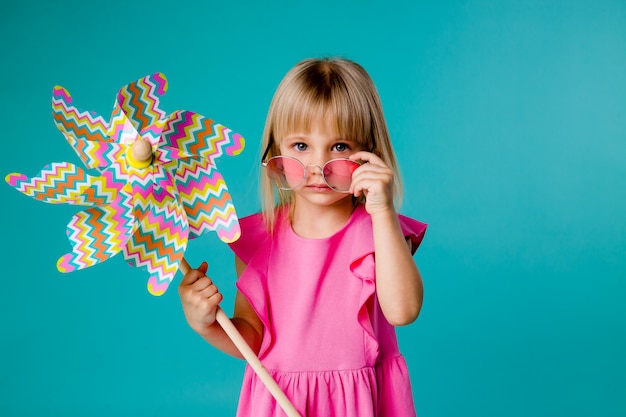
253,234
362,234
252,222
412,229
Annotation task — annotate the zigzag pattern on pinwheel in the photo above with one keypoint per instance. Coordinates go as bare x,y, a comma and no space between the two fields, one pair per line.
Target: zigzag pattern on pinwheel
164,178
204,188
222,220
95,154
159,244
100,192
154,182
164,228
83,254
167,224
97,234
165,155
183,130
195,134
142,204
237,144
120,129
73,122
142,180
192,172
139,100
207,202
222,141
147,202
56,183
197,179
147,191
215,213
202,205
117,174
153,132
120,221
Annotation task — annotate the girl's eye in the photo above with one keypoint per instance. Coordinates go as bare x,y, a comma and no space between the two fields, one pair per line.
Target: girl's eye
301,147
341,147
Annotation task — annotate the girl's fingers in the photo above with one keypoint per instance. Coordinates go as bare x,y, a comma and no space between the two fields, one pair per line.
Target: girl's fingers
373,168
367,157
374,179
191,277
201,284
369,187
370,175
209,291
195,274
372,171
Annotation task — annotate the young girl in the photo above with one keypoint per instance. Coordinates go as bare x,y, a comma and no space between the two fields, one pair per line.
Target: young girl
326,270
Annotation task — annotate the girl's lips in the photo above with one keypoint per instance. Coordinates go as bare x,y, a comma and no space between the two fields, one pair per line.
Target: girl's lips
318,187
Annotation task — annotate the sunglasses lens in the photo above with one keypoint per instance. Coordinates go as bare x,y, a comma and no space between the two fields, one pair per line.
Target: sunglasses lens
286,173
338,174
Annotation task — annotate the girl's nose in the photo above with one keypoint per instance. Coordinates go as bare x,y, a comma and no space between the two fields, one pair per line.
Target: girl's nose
313,169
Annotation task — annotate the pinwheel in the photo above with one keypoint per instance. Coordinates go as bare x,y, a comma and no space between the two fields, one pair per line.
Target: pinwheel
157,187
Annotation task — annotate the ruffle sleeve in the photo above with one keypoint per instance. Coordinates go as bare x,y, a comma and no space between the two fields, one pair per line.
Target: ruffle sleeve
363,238
363,266
253,248
253,236
253,285
413,229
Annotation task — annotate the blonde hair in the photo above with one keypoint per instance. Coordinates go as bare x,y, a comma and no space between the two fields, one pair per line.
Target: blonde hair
332,89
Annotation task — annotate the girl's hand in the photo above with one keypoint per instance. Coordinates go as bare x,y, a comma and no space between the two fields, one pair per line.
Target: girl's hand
200,299
375,180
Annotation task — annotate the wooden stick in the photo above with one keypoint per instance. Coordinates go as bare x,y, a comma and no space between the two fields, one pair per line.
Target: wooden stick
250,356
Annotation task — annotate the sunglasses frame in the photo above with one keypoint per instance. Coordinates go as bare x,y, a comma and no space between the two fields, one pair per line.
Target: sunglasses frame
264,163
304,171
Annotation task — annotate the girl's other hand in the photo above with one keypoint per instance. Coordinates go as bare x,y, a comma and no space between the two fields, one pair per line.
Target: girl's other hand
200,299
375,180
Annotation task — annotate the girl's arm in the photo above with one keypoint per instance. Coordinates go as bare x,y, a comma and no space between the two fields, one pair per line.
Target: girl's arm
399,284
398,281
200,299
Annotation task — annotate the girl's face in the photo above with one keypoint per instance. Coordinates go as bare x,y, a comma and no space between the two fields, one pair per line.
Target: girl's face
314,148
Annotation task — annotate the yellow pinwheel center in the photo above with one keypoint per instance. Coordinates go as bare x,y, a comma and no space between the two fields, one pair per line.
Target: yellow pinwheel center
140,154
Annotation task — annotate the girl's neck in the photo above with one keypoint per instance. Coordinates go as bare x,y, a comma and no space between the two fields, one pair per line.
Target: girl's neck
318,222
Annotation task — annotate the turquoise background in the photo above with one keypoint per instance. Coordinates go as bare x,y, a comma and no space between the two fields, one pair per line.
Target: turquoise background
509,119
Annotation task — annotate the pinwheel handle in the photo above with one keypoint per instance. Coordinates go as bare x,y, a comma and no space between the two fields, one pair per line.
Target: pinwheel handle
250,356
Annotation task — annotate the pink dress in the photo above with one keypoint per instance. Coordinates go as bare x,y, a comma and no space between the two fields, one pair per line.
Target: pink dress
326,341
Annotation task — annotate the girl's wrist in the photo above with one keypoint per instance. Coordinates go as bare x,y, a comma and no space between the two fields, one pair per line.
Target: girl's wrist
207,331
384,213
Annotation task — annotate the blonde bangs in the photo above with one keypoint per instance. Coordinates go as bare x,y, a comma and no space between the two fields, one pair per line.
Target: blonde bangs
307,103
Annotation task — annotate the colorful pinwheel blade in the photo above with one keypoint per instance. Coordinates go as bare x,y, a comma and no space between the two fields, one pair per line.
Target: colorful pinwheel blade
98,233
63,182
121,130
194,134
98,155
206,200
139,101
159,242
150,186
81,126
